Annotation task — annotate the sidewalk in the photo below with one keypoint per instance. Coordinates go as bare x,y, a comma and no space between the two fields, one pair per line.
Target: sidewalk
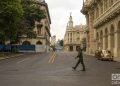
89,54
4,56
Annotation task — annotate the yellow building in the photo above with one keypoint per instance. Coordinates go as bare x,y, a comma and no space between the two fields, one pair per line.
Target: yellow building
103,21
73,36
42,29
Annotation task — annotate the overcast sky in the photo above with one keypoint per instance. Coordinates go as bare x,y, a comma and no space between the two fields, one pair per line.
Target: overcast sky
60,12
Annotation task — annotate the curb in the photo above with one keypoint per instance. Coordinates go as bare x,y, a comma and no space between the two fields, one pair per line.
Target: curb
89,54
7,57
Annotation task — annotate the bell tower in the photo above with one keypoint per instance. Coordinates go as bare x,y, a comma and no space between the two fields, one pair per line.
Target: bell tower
70,23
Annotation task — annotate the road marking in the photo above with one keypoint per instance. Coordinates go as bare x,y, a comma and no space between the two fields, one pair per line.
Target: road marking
52,58
22,61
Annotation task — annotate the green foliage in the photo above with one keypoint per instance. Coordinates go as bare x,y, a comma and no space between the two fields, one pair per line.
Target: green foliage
10,15
61,42
17,17
32,13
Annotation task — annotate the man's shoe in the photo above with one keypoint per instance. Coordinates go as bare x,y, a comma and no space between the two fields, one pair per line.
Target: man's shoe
73,68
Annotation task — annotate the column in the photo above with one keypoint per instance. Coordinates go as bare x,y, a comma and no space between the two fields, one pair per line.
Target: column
104,41
91,32
117,45
75,37
68,37
74,48
109,42
72,37
87,19
103,6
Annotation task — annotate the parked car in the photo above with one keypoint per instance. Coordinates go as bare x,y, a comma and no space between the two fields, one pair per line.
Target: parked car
107,56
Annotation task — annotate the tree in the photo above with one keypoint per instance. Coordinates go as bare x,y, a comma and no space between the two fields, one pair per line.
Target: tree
10,15
17,18
61,42
32,13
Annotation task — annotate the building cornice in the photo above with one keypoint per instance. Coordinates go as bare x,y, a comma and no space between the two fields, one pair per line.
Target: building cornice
109,14
87,6
46,6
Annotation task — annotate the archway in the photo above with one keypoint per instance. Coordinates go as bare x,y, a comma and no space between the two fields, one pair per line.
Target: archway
26,43
39,43
70,48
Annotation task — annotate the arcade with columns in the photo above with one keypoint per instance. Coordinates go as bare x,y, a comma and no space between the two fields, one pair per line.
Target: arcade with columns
103,21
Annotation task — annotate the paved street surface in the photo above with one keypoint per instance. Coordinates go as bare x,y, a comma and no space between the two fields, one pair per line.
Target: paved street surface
55,69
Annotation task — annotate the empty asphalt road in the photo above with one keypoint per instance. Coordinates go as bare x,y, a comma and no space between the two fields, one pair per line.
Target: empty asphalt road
55,69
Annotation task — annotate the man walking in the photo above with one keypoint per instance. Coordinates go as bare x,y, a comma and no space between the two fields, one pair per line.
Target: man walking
80,60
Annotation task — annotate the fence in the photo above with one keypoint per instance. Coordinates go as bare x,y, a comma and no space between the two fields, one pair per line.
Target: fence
17,47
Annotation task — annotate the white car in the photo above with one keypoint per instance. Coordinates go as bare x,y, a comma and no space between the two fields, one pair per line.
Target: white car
106,55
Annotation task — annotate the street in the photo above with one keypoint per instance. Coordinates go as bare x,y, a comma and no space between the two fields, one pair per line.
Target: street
55,69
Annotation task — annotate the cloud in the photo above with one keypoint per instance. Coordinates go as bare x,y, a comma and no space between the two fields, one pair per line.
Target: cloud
66,4
60,12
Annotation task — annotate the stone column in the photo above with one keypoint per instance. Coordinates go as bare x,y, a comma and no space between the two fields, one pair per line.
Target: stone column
117,45
104,43
75,37
109,42
74,48
103,6
91,32
72,37
68,37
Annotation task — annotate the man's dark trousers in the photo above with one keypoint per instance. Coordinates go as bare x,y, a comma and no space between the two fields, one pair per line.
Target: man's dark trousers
80,61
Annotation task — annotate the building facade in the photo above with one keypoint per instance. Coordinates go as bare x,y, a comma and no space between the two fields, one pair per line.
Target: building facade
42,29
73,36
103,23
53,40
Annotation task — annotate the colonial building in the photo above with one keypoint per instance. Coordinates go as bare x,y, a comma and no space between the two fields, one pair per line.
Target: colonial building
73,36
42,29
103,23
53,40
